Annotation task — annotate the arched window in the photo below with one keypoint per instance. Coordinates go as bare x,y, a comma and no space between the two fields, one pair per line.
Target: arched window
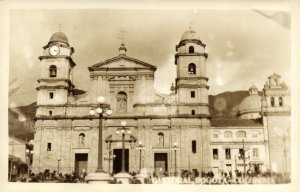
193,112
228,134
280,101
161,139
81,138
272,101
121,102
192,68
241,134
52,71
191,49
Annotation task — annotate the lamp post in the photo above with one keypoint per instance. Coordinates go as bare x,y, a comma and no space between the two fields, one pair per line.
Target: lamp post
123,131
140,147
58,162
175,148
242,155
100,110
123,176
29,153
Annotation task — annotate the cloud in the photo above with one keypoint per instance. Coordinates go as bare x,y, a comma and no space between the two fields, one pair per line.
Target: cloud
229,53
165,76
229,45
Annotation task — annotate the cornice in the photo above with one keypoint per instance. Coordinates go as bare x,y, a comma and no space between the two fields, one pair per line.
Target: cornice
89,117
52,87
186,41
53,79
192,78
191,86
73,64
283,113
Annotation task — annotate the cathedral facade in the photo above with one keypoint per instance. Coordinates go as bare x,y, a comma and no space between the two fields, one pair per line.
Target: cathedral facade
176,130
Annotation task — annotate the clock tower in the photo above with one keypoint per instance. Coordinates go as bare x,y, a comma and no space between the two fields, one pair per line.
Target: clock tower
191,82
55,83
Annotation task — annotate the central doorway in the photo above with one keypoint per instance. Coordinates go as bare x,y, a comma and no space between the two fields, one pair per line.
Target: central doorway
81,162
161,162
117,163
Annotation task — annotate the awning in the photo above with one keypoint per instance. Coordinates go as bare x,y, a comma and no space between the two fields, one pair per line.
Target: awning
16,159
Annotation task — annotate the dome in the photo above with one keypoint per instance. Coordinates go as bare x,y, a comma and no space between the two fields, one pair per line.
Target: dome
189,35
251,104
59,37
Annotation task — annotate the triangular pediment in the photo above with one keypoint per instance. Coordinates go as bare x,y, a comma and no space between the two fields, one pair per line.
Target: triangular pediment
121,62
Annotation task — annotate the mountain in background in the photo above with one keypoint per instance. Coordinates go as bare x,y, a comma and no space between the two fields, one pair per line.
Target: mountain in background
21,121
222,106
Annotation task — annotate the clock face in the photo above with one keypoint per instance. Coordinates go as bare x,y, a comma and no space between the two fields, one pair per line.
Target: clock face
54,50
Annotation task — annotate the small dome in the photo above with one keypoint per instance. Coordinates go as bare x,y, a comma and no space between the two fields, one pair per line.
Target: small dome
253,87
189,35
59,37
251,104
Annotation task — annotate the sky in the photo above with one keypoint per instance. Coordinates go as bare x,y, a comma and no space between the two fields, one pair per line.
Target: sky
244,46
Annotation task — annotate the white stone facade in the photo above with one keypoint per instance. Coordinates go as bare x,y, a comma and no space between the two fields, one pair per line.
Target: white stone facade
65,130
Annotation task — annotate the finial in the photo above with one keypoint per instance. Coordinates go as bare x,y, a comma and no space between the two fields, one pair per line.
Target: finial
172,88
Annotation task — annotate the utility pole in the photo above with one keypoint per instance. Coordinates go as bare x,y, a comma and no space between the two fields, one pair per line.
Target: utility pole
244,159
284,153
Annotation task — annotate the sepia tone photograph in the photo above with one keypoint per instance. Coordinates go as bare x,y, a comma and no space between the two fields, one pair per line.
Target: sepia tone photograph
183,96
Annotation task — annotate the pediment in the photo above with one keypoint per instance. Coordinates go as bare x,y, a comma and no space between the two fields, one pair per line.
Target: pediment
121,62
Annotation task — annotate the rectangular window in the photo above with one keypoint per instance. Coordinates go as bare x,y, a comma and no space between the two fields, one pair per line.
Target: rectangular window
255,152
193,94
193,112
241,154
48,146
215,135
215,154
50,113
51,95
194,146
227,154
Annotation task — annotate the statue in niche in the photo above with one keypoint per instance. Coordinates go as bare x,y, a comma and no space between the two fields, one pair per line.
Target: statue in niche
121,102
81,139
160,139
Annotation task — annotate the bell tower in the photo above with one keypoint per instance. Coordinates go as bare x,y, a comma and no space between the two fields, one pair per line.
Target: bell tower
55,83
276,110
191,82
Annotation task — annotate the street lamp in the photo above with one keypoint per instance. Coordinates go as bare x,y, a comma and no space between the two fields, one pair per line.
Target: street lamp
123,131
29,153
123,176
175,148
58,162
242,155
100,110
140,147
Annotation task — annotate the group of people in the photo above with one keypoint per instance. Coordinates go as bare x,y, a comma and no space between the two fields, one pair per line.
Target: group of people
53,177
159,176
